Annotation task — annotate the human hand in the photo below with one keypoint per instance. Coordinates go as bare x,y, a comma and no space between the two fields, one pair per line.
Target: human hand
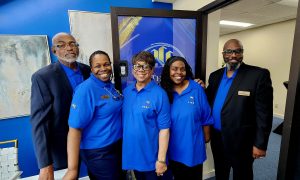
70,175
206,130
47,173
200,82
161,167
258,153
207,138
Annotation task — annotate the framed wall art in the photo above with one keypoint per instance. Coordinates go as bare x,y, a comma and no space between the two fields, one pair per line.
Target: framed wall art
20,57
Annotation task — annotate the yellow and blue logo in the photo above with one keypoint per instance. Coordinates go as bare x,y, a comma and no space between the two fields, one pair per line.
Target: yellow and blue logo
163,51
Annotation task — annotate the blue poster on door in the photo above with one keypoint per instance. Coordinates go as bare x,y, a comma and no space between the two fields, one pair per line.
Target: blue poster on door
163,37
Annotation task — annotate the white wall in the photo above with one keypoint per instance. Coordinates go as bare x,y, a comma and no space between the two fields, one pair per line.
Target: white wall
213,31
269,47
192,5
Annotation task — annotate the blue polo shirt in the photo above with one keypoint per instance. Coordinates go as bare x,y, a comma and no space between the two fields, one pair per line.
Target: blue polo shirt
145,113
97,113
190,111
221,96
75,77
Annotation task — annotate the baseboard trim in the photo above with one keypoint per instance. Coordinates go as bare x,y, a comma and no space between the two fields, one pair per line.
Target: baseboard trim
281,116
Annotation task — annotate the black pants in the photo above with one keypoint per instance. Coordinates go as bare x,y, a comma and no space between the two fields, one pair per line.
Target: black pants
183,172
104,163
151,175
242,167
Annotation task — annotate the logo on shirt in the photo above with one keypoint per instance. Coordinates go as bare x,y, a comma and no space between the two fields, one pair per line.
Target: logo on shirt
73,106
191,100
105,96
146,105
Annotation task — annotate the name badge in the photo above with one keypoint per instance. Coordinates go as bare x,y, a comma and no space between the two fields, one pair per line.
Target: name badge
244,93
105,97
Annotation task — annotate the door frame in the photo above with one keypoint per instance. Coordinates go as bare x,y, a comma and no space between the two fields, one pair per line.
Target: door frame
289,159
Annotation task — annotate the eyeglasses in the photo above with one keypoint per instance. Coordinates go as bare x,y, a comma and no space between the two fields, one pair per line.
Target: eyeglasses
64,45
116,95
145,67
231,51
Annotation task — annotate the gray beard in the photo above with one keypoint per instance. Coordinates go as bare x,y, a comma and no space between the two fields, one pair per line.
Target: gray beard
69,60
233,66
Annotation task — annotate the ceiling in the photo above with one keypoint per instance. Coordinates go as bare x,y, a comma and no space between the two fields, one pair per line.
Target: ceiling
258,12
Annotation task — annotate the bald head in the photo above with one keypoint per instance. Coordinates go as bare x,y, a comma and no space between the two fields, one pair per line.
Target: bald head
234,42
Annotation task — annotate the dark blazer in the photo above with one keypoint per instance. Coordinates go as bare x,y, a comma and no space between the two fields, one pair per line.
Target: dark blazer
247,113
51,96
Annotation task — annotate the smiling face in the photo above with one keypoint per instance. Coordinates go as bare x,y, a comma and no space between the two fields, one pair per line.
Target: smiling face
177,72
101,67
65,48
142,72
233,54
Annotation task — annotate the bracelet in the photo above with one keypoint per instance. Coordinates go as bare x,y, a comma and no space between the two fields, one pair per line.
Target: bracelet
163,162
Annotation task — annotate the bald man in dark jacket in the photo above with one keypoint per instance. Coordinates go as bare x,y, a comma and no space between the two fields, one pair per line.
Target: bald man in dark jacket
241,97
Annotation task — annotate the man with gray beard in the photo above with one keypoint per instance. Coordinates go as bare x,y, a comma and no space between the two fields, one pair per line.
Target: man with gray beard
241,97
51,95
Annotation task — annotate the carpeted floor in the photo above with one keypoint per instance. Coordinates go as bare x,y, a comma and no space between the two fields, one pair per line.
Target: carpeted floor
266,168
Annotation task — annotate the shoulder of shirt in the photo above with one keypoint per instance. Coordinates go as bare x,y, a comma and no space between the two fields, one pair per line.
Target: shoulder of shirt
156,87
85,86
195,86
129,88
158,90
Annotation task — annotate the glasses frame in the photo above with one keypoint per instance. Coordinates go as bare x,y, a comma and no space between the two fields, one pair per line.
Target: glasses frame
65,45
145,67
231,51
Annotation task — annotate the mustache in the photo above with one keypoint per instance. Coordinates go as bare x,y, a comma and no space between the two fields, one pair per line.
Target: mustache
236,59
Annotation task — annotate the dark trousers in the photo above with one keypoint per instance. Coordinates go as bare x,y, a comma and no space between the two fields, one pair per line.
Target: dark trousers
242,167
182,172
104,163
151,175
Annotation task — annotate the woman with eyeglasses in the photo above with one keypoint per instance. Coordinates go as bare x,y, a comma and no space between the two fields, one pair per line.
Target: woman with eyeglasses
190,111
146,122
95,127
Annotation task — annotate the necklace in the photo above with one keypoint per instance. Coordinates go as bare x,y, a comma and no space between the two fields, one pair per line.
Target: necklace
117,96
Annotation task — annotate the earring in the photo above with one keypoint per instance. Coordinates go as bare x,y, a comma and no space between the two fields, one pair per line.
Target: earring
111,77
